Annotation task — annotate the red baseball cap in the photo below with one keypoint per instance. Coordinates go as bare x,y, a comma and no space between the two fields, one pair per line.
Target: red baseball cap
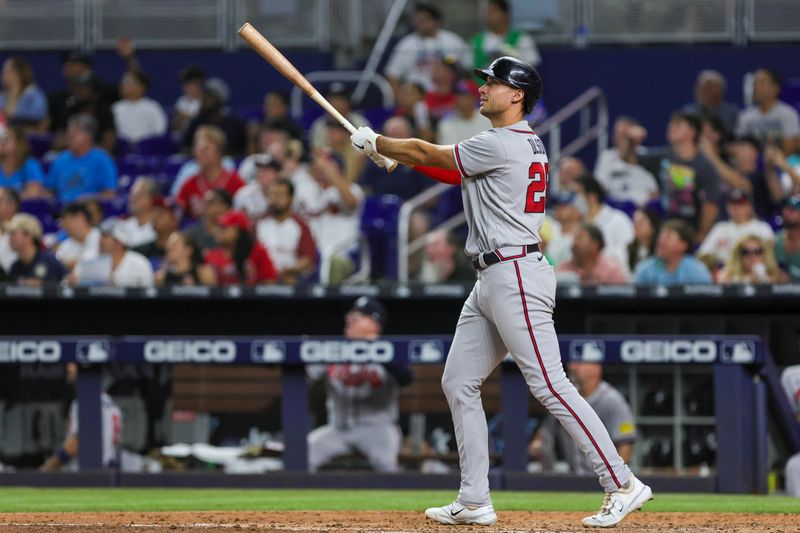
234,219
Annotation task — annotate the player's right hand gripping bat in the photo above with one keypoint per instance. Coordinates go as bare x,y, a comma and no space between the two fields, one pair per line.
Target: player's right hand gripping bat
274,57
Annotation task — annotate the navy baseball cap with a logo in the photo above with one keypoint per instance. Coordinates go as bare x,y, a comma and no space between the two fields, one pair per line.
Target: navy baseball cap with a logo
372,308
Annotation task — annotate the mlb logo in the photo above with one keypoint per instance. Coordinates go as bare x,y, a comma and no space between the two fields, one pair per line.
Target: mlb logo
738,352
268,351
92,351
589,351
429,351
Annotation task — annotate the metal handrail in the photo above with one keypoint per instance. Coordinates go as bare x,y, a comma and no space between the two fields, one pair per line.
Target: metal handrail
364,260
551,127
381,43
343,76
403,220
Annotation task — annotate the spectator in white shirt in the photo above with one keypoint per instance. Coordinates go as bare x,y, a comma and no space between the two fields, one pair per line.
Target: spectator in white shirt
136,116
285,236
335,219
252,199
139,225
415,55
742,223
616,226
617,168
770,120
465,120
83,240
339,97
188,104
127,268
9,206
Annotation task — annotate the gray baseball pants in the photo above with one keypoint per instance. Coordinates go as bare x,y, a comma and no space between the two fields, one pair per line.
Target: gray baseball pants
510,309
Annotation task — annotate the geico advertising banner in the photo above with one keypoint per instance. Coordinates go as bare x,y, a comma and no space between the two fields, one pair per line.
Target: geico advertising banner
332,350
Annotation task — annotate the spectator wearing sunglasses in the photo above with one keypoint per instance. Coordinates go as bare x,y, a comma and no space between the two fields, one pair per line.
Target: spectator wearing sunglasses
752,261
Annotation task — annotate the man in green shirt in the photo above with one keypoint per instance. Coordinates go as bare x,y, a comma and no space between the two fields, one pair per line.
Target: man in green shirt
500,40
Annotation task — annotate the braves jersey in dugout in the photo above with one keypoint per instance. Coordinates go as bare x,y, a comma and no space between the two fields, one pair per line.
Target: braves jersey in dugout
503,185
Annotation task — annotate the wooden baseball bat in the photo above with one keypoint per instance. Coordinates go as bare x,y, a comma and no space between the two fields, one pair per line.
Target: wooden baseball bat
274,57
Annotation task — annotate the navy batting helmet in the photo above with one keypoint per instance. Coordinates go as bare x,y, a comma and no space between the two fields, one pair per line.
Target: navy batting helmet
518,74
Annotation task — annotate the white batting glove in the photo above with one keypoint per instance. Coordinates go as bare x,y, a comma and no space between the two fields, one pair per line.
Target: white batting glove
365,141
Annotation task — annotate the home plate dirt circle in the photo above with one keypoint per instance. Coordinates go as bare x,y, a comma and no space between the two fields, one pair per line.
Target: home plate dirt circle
386,521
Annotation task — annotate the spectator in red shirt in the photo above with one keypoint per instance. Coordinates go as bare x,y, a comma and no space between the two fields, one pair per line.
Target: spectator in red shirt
239,259
588,263
209,147
285,236
441,99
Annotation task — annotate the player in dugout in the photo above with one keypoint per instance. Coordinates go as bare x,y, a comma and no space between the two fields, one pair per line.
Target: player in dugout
609,404
111,417
362,399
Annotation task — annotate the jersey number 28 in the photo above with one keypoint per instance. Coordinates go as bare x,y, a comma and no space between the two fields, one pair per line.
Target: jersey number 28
537,190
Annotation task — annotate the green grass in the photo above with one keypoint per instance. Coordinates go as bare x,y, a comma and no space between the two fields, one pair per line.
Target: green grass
77,500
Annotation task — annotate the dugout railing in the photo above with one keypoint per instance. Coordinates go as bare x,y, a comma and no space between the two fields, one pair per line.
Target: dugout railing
743,371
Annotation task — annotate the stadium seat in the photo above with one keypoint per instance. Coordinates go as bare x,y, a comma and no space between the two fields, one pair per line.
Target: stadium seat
625,206
46,210
251,113
40,144
159,146
791,93
379,224
115,207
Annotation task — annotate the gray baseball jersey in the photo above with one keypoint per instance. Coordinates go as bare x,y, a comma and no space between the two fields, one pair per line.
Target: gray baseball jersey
504,183
616,415
362,403
791,385
510,308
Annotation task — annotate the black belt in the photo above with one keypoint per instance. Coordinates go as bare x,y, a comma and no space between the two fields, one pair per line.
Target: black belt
494,257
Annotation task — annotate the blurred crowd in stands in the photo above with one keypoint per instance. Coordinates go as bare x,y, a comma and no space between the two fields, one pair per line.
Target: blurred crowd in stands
100,184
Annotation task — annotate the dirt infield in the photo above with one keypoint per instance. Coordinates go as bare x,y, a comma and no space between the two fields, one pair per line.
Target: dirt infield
394,521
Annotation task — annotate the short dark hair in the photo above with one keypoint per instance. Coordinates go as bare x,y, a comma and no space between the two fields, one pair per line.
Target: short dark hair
682,228
141,77
283,96
502,5
77,208
773,75
595,234
12,195
751,140
717,125
429,9
286,183
190,73
223,196
592,186
692,120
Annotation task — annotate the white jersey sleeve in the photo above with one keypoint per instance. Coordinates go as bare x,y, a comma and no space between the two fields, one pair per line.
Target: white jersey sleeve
480,154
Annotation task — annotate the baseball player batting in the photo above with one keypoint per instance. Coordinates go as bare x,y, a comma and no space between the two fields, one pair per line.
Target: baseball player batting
503,176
